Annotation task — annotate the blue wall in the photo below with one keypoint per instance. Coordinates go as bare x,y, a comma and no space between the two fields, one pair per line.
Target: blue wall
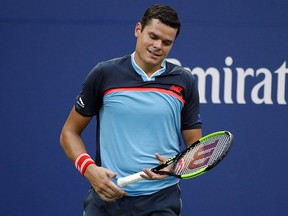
48,47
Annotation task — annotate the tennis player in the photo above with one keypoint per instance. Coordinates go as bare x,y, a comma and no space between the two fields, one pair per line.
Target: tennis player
145,108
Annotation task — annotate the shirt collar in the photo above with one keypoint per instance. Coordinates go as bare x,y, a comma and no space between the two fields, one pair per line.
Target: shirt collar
143,74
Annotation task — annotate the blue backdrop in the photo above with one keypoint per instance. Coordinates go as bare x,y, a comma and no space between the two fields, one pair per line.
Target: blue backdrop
237,50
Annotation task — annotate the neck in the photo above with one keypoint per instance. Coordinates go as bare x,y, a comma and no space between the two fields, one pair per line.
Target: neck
147,68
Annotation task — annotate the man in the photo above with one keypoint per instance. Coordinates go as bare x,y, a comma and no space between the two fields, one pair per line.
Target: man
145,108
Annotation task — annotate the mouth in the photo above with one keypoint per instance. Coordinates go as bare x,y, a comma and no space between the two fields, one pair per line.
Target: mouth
155,54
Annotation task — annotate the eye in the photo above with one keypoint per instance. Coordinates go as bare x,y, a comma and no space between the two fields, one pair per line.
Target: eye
167,43
153,36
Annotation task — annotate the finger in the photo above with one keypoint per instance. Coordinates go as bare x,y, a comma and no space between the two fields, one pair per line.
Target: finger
112,189
113,192
109,197
116,191
150,175
160,158
106,198
110,174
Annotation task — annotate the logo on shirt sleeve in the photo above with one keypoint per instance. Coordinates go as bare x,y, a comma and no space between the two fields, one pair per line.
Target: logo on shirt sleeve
80,102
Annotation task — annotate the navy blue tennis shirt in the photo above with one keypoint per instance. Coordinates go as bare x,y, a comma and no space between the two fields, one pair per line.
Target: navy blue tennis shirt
138,116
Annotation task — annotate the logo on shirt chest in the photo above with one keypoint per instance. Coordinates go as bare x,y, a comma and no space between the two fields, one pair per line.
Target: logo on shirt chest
176,89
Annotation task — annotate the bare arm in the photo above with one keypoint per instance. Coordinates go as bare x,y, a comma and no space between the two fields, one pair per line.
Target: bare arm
73,145
191,136
70,138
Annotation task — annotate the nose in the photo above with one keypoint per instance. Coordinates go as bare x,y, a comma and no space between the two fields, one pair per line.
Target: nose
157,44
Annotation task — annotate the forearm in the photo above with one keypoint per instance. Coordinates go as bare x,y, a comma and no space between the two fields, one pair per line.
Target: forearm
70,138
75,150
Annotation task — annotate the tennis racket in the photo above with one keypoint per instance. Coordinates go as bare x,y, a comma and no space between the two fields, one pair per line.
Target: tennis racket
194,161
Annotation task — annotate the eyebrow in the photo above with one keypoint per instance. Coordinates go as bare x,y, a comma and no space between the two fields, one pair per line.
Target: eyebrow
165,41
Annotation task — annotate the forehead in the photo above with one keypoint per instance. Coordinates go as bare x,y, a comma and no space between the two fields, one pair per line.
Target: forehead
160,29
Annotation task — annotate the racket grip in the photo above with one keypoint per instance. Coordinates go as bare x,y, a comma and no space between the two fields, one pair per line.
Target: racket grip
121,182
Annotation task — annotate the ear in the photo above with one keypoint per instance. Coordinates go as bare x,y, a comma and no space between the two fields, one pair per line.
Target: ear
138,28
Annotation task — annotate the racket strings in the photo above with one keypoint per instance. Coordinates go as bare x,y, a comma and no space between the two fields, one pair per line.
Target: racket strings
204,154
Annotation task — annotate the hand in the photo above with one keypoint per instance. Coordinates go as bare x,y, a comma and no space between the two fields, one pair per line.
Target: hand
103,186
149,175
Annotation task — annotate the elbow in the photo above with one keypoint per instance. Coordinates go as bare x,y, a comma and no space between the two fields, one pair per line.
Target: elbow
62,139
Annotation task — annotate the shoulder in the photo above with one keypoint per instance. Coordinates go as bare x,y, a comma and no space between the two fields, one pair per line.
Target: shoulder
180,71
108,66
116,62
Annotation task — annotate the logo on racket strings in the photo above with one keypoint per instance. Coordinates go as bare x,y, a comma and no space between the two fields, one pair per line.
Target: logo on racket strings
180,165
202,155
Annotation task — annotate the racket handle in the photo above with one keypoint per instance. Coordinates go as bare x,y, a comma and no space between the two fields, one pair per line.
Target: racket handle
121,182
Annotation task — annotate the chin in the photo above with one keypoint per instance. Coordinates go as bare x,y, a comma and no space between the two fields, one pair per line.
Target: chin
153,63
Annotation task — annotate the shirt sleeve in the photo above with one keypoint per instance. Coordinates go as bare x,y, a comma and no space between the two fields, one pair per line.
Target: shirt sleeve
89,99
190,116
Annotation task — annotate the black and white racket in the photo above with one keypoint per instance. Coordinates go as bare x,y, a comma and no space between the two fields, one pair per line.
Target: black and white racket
195,160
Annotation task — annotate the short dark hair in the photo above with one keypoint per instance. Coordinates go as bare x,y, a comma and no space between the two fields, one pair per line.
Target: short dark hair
165,14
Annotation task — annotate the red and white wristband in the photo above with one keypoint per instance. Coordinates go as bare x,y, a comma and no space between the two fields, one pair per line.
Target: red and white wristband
82,162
